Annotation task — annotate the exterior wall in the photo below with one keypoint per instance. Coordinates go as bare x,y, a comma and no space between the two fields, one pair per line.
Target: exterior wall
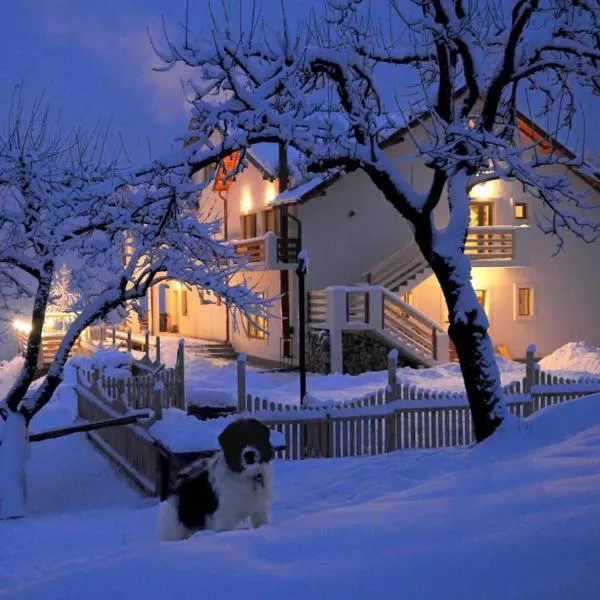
566,288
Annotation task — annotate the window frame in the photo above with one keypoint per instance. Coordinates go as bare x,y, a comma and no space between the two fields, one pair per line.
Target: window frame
516,301
525,208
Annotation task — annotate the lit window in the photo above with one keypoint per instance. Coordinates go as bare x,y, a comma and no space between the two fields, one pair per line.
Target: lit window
257,325
524,302
520,210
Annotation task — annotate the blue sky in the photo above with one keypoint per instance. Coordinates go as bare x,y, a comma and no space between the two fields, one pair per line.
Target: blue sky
93,61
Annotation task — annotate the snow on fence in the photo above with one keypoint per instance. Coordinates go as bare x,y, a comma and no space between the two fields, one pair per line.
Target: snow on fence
401,416
158,389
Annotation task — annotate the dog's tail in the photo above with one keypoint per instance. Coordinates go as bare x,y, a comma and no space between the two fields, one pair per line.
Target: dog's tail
170,528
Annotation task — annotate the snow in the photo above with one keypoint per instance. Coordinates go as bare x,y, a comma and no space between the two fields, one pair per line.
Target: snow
182,433
219,378
516,517
574,356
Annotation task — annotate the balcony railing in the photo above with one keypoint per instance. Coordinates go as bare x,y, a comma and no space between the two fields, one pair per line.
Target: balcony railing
269,251
491,243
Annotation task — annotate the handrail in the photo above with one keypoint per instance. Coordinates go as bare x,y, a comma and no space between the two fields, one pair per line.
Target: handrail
412,311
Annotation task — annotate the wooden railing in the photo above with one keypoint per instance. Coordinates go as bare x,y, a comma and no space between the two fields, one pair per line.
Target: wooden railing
490,243
252,249
50,344
376,309
269,249
395,271
483,243
317,306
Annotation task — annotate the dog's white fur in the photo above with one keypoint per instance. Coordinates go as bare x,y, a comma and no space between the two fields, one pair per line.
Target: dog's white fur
240,496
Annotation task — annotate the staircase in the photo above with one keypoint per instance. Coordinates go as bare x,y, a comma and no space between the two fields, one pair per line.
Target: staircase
378,308
401,272
207,349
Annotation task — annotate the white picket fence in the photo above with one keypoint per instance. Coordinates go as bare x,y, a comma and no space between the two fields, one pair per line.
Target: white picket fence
401,416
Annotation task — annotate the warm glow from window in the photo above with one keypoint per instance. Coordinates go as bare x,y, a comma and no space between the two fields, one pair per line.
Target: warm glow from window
271,189
524,302
520,210
489,189
246,199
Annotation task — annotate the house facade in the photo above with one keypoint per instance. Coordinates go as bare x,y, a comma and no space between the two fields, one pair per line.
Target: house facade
369,289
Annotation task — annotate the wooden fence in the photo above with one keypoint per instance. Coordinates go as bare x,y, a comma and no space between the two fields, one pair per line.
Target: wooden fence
162,388
401,416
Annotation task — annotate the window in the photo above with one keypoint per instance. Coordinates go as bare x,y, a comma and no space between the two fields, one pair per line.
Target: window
184,303
249,229
257,325
520,210
271,220
524,302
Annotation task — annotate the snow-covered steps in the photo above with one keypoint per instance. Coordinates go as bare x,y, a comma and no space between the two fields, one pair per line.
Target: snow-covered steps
197,349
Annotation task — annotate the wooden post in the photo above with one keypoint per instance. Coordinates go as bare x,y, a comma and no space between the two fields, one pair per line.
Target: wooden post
180,369
242,359
102,334
157,349
129,341
390,390
147,346
530,368
114,336
157,405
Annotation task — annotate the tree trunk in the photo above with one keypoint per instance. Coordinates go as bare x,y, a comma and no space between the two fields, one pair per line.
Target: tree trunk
34,342
14,452
469,331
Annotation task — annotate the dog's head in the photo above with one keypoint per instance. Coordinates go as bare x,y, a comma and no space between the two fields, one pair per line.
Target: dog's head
246,446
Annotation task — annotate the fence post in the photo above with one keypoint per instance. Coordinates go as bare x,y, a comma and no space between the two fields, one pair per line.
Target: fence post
441,346
157,405
102,335
180,368
157,360
129,341
241,382
114,336
530,367
147,344
390,390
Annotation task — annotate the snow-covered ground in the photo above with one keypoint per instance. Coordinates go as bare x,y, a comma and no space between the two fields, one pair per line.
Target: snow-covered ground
219,376
517,517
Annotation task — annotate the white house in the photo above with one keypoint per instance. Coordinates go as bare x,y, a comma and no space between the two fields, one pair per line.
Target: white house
369,287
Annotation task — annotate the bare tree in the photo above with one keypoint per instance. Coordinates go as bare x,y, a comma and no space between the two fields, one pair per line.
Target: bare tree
316,85
120,230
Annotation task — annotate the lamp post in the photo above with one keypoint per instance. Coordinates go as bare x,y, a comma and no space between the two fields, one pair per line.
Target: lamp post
301,270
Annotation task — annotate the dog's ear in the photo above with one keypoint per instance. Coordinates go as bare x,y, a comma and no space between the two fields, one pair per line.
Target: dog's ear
229,434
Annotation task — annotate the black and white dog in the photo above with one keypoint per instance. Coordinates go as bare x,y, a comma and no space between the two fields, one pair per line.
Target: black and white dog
220,492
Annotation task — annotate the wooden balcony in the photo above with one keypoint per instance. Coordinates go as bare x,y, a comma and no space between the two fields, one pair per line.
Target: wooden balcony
495,243
269,252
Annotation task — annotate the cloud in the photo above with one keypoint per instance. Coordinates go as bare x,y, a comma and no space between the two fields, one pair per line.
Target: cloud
121,42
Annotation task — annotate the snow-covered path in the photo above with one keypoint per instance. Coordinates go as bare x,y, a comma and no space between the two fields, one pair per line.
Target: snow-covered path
518,517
